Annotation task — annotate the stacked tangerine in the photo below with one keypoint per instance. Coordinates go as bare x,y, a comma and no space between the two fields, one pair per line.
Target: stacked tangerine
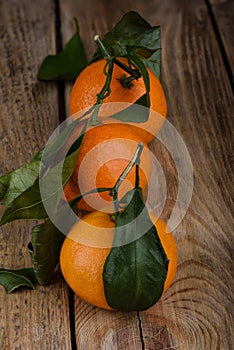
104,154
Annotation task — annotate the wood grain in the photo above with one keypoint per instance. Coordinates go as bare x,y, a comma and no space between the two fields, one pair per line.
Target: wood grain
36,319
223,12
101,329
195,313
196,309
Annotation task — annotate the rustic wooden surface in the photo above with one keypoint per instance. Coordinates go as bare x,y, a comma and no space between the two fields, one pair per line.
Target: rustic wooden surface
29,113
196,313
222,16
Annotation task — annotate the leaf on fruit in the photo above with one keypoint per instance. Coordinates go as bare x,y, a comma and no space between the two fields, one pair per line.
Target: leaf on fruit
154,63
135,113
136,267
13,279
138,112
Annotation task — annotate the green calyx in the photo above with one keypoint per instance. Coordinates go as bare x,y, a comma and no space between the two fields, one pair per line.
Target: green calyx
126,82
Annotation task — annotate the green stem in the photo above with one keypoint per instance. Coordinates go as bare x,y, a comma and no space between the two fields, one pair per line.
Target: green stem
137,182
114,190
102,48
80,196
135,160
134,73
108,70
106,88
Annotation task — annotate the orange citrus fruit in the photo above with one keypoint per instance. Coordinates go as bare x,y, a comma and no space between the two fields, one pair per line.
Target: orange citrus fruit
91,81
86,248
105,152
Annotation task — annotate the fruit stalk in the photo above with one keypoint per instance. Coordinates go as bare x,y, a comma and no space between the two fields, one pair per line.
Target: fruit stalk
134,73
135,160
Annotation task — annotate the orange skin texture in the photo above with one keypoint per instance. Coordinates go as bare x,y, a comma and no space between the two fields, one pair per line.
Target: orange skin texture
91,81
85,250
105,152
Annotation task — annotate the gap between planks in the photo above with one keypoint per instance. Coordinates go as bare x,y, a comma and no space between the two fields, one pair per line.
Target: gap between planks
220,44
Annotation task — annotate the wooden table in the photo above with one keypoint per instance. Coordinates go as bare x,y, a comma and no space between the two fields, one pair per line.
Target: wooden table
196,313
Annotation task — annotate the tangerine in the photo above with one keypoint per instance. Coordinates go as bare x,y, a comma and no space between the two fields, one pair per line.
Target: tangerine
105,152
91,81
86,248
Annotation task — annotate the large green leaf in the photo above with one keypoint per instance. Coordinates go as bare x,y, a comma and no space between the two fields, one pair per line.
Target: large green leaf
45,249
46,192
141,67
68,63
136,112
28,205
31,204
154,63
133,35
17,181
47,238
136,268
14,183
13,279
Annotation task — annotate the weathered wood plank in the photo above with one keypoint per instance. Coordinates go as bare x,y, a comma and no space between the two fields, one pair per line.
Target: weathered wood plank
101,329
223,12
195,313
36,319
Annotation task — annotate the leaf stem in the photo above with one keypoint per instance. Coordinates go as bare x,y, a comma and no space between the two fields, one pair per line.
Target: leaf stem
114,190
102,48
95,190
134,73
135,160
108,70
137,182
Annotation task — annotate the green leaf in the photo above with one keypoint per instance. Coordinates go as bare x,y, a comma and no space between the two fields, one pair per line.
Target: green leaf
53,149
135,113
68,63
131,32
16,182
13,279
144,53
47,238
136,267
141,67
46,192
45,249
38,155
138,112
133,35
30,204
154,63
